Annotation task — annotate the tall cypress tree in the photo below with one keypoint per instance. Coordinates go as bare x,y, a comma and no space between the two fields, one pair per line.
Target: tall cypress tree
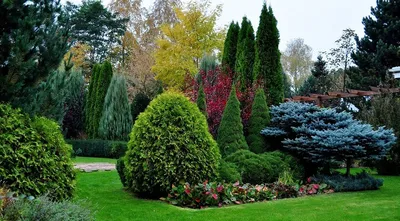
259,119
102,85
246,54
90,100
230,46
116,120
267,67
201,100
378,50
230,136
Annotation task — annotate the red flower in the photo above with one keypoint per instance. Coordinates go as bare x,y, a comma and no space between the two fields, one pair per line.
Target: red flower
301,190
309,180
198,200
220,188
315,186
187,191
215,196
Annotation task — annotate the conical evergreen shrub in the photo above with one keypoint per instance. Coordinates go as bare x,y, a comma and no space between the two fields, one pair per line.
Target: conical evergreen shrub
201,100
102,84
259,119
116,121
91,99
230,136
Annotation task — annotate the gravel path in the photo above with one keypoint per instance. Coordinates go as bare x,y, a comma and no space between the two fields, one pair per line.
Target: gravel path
92,167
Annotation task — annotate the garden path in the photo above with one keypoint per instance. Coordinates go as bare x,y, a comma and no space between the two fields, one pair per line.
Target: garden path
92,167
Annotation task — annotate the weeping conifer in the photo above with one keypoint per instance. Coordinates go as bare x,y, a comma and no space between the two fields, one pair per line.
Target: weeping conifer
116,120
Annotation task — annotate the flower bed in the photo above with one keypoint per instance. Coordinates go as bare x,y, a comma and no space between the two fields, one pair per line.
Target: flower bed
216,194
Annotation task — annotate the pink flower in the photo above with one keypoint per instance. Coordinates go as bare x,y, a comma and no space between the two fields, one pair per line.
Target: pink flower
220,188
215,196
236,184
187,191
309,180
301,190
315,186
207,193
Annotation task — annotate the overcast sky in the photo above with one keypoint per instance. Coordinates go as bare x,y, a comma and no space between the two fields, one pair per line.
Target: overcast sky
318,22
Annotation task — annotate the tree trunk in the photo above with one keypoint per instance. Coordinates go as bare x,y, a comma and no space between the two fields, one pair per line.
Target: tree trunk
348,166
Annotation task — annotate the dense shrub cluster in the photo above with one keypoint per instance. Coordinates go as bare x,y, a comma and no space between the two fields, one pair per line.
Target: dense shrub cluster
216,194
358,182
34,157
120,166
228,172
42,209
98,148
262,168
169,143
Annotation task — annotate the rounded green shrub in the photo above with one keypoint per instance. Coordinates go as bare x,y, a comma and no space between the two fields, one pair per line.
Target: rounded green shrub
170,144
34,157
259,168
228,172
120,166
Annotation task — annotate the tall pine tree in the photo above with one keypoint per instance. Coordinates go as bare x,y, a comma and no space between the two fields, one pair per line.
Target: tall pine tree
230,46
116,120
259,119
245,54
230,136
267,66
33,40
379,50
102,85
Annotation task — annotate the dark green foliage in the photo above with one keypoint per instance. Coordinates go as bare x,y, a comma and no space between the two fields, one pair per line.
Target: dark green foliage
230,46
98,148
201,100
116,120
258,168
384,111
245,54
97,27
169,144
91,100
74,119
35,158
45,209
102,85
139,104
320,82
318,136
358,182
259,119
378,49
267,64
228,172
230,136
120,166
33,40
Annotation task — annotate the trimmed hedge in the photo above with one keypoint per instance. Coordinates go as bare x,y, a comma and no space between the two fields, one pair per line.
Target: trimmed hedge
169,144
99,148
34,157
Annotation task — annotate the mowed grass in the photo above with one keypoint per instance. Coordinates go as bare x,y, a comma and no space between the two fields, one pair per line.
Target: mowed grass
93,160
106,196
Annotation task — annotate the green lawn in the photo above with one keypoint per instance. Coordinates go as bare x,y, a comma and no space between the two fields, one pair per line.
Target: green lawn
104,191
93,160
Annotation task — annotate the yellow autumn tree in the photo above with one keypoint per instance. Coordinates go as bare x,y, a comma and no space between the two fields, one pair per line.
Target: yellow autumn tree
181,45
79,52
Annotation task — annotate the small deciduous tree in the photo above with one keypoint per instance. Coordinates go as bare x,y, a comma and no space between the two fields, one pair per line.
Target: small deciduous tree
319,136
259,119
116,120
182,45
230,132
